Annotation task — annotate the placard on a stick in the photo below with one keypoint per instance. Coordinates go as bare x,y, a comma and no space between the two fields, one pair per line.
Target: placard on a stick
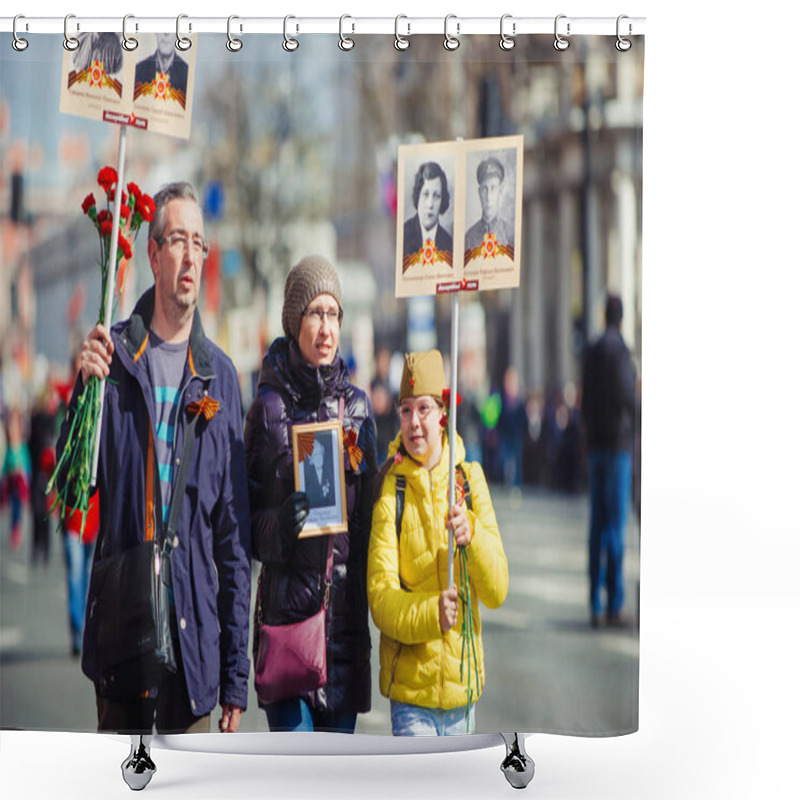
150,88
459,224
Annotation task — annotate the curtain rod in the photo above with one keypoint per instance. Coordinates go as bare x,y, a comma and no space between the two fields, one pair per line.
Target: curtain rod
348,25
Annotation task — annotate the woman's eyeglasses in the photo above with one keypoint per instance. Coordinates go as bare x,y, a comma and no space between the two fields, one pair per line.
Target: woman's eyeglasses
319,315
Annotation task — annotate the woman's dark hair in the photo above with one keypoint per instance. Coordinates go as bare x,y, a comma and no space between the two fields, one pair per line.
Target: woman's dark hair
429,171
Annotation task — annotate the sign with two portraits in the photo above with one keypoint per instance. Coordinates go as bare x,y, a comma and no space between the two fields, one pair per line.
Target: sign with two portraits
460,220
150,88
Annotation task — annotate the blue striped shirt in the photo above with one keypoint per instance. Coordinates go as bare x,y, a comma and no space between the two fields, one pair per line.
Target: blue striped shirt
166,363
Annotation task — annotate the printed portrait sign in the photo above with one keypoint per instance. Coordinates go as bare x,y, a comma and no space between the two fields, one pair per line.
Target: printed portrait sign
93,77
162,84
493,211
150,88
460,221
318,455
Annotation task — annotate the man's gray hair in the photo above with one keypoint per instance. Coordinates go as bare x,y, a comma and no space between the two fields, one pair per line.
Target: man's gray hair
179,190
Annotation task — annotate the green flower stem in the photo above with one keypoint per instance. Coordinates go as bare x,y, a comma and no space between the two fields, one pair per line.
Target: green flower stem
469,649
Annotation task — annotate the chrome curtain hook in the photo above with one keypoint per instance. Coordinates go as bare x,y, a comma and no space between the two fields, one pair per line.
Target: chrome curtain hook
70,42
507,42
233,44
560,42
623,45
401,42
19,44
289,44
345,43
182,43
128,42
450,42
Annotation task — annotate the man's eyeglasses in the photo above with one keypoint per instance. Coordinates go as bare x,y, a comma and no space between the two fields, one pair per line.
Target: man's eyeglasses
319,315
180,242
423,410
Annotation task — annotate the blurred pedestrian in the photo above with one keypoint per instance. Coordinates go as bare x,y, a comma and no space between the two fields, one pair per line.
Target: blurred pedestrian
512,429
382,406
79,544
608,409
41,444
15,478
419,615
304,379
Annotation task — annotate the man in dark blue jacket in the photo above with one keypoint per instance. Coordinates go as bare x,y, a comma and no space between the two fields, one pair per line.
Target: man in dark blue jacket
608,410
161,369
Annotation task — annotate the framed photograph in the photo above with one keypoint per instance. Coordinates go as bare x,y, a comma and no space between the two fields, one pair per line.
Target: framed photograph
318,455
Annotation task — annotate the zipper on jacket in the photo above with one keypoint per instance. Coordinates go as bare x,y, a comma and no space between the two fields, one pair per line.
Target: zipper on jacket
443,660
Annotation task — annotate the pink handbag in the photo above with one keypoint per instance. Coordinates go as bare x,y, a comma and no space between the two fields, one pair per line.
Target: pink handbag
291,658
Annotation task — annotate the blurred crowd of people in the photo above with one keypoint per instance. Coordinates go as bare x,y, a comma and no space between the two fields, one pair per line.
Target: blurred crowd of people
521,437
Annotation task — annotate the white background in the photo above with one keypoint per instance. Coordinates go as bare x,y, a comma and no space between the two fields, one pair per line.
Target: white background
720,683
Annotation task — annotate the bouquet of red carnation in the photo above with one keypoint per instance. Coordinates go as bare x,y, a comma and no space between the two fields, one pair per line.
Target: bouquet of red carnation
74,469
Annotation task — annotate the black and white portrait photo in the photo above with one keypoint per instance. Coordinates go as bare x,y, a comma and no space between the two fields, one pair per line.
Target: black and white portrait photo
163,73
491,203
318,476
427,231
318,453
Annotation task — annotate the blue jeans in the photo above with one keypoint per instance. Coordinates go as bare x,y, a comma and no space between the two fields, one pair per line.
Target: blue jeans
610,492
79,567
295,714
411,720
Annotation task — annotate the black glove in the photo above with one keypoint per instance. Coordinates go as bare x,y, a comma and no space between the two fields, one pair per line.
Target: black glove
292,516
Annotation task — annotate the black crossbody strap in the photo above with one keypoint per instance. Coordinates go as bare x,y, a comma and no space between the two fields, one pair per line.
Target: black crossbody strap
400,501
179,490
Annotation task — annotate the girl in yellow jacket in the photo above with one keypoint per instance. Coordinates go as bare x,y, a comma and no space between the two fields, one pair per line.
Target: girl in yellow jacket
431,687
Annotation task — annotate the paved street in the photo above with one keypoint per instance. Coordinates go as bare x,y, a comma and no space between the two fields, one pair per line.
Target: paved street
547,670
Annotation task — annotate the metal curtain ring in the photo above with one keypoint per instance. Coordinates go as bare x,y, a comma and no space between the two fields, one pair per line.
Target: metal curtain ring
70,42
289,44
507,42
345,43
128,42
19,44
623,45
450,42
182,43
401,42
233,44
560,42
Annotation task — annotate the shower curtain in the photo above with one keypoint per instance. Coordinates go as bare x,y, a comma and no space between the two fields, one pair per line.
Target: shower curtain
299,151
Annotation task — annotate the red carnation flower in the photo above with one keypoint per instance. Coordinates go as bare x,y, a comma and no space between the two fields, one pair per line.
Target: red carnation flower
102,216
125,212
134,190
445,420
107,178
105,227
146,207
124,246
88,203
112,195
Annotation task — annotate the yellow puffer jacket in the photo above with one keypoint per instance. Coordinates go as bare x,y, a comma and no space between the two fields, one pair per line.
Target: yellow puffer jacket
419,664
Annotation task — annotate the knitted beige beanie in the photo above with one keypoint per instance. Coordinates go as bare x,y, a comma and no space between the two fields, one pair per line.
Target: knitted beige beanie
311,276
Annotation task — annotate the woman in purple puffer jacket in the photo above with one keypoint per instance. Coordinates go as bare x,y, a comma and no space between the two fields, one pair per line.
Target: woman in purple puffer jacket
304,379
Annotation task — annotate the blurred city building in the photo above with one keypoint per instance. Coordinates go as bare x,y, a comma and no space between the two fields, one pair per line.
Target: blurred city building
294,153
